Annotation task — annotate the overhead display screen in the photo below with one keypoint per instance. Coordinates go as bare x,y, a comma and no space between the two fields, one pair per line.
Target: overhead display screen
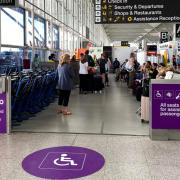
136,11
8,3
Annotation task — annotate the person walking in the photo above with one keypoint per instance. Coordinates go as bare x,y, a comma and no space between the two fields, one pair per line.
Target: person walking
102,66
107,67
65,84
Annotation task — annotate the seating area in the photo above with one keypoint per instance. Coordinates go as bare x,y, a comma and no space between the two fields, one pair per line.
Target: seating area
31,92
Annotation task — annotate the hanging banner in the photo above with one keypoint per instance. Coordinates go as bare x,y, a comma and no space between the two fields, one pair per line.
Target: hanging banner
136,11
9,3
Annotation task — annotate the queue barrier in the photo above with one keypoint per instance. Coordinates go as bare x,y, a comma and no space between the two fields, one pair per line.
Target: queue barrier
5,105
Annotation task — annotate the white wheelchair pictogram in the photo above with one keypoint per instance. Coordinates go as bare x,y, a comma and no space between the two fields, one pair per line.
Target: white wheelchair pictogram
158,94
64,160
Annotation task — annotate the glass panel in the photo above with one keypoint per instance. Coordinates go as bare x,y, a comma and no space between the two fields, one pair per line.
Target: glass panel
11,57
65,40
54,7
49,35
48,6
39,31
61,38
39,56
12,19
21,2
29,29
55,37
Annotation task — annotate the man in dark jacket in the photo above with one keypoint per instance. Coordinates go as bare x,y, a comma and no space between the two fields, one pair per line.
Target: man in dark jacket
91,65
116,65
89,59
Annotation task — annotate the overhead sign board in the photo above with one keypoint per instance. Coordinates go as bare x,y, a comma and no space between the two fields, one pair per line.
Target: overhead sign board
9,3
124,43
136,11
164,37
177,30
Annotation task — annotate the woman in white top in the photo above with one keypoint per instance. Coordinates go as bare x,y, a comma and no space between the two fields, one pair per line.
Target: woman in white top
83,74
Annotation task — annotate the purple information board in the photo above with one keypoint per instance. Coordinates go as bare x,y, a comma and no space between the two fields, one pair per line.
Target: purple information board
165,106
3,113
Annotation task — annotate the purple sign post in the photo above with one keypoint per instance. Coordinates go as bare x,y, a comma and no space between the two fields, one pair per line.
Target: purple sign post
63,163
3,123
165,110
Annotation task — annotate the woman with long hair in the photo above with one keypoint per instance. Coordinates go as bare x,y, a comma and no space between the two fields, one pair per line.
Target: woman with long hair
75,67
65,84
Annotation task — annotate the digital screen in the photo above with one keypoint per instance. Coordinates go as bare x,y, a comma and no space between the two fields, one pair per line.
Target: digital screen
152,48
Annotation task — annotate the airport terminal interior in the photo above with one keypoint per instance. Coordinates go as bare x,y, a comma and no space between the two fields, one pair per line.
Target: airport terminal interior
111,70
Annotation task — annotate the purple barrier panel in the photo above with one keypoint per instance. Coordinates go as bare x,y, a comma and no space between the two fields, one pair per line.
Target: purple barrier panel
165,106
3,113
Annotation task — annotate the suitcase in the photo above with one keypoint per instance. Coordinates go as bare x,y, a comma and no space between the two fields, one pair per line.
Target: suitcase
98,83
145,109
139,91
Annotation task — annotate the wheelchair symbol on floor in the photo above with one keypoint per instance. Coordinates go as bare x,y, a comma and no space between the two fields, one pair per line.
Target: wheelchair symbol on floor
64,160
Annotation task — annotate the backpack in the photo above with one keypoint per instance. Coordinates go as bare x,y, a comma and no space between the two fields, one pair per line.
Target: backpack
102,63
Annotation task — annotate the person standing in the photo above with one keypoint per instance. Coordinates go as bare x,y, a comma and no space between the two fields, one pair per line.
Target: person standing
89,59
116,65
91,65
130,67
83,74
65,84
178,62
102,66
107,67
75,66
174,62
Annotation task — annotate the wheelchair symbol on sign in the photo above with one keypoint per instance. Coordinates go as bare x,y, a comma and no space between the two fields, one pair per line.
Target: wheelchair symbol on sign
64,160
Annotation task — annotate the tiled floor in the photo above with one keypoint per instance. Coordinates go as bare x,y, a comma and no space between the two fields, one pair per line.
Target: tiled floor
112,112
127,157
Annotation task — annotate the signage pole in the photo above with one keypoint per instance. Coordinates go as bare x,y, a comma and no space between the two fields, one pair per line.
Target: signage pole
8,105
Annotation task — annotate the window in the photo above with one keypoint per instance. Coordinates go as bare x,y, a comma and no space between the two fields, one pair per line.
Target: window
41,54
49,35
29,29
55,37
61,38
12,19
39,31
11,57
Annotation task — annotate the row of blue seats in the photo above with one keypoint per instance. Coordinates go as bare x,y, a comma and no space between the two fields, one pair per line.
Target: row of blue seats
8,70
31,93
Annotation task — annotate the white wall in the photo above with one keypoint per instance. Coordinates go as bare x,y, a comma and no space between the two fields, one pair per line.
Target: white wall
96,51
142,57
122,53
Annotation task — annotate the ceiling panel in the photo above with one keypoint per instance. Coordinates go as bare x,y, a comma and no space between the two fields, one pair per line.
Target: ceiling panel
136,32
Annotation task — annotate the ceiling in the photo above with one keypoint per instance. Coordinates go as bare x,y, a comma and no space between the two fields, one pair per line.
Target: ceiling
137,32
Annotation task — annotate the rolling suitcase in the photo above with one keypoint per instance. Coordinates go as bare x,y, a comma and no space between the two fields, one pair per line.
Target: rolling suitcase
145,109
98,83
